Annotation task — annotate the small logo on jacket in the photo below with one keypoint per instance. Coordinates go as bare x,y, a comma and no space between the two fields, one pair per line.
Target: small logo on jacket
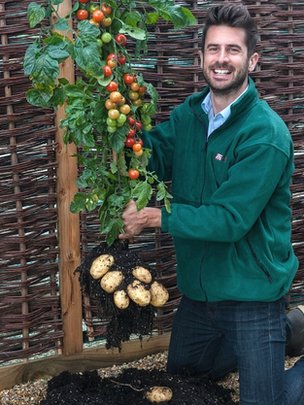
219,156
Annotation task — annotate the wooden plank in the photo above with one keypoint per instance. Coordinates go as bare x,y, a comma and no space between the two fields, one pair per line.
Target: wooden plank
89,359
68,226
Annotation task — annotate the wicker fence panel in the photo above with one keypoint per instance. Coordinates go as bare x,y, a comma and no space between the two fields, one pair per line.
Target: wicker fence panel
30,318
30,309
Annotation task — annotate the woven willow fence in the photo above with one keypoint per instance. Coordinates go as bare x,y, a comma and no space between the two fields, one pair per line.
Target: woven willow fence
35,299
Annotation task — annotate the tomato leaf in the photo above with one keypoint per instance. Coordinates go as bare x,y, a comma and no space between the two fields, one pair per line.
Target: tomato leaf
134,32
30,57
35,14
142,194
39,98
61,25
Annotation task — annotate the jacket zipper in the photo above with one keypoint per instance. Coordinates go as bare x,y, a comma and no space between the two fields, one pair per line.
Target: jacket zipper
201,278
258,262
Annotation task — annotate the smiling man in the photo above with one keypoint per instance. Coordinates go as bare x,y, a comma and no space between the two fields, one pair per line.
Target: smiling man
230,159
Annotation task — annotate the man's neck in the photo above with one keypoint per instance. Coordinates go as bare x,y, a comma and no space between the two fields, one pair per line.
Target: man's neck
220,102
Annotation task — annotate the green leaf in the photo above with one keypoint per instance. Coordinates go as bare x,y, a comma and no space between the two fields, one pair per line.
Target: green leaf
134,32
30,57
58,97
132,18
114,228
88,30
78,203
152,18
61,25
117,139
57,52
45,68
39,98
142,193
56,2
35,14
87,58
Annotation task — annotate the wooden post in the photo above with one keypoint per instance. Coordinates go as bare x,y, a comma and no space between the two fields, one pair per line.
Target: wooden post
69,225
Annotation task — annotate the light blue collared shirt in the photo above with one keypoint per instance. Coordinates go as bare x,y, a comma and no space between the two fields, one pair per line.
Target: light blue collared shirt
215,121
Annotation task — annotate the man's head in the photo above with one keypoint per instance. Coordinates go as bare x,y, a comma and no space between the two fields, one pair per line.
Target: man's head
228,53
233,15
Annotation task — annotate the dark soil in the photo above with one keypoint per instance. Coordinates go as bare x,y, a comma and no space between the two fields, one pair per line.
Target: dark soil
122,322
129,388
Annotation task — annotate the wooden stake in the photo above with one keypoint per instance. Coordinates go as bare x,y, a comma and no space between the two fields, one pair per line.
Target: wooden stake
69,224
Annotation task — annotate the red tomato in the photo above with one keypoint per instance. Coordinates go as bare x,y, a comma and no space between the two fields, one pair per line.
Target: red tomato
82,14
121,39
138,125
112,86
84,1
131,121
129,142
121,59
107,71
133,174
97,15
131,134
128,78
107,10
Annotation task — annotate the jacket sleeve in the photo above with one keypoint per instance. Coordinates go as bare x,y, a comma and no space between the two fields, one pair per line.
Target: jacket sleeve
161,141
238,202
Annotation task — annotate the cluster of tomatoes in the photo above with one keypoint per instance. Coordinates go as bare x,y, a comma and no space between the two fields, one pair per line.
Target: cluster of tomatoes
120,108
95,13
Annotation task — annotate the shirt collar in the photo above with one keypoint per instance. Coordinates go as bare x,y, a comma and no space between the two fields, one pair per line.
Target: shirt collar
207,106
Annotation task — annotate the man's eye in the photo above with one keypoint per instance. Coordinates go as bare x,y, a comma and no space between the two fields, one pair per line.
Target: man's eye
234,50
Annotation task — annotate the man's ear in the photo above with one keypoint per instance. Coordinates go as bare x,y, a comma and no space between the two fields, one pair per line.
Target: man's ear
201,55
253,60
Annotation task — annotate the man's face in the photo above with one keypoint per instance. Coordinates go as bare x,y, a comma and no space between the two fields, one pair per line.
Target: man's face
225,60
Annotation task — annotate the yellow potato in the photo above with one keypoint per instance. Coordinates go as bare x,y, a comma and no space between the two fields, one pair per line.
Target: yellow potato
138,293
101,266
142,274
121,299
159,294
111,280
159,394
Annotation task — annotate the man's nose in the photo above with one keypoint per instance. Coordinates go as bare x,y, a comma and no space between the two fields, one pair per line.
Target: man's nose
223,56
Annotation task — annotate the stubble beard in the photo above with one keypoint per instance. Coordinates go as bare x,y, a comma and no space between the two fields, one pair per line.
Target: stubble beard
233,86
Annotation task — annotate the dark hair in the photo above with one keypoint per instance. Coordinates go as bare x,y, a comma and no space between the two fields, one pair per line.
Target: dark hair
233,15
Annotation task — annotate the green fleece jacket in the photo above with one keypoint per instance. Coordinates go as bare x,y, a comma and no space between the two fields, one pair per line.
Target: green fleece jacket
230,217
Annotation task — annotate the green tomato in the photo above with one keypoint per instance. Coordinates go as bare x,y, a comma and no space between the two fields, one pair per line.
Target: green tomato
121,119
111,130
111,122
106,37
148,127
146,119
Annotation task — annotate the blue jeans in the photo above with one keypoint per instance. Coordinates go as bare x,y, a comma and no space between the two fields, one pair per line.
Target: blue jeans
219,337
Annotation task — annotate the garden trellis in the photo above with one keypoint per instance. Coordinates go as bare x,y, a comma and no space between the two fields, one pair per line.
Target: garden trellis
46,325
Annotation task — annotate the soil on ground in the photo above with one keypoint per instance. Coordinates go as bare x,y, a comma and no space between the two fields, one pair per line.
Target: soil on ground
129,389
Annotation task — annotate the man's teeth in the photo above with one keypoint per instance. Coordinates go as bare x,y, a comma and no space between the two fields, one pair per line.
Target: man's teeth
221,72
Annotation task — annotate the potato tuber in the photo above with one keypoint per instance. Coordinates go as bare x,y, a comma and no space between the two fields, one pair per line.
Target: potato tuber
159,394
142,274
138,293
121,299
159,294
111,281
101,266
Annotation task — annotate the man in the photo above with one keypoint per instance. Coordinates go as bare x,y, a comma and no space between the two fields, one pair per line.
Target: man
230,159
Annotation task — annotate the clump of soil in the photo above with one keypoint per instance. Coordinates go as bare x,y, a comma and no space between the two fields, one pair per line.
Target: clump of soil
129,388
122,322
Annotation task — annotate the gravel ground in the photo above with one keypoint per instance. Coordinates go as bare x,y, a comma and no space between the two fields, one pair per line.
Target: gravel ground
32,393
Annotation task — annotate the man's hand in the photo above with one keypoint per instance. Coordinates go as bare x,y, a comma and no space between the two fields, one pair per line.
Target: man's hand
135,221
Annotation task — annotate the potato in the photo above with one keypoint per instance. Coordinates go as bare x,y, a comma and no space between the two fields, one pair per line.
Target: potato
159,394
159,294
121,299
101,266
111,280
138,293
142,274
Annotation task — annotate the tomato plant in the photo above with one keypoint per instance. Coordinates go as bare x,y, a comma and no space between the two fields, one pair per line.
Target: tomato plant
108,104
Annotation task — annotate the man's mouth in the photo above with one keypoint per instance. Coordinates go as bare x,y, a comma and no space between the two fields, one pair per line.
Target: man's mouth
221,71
